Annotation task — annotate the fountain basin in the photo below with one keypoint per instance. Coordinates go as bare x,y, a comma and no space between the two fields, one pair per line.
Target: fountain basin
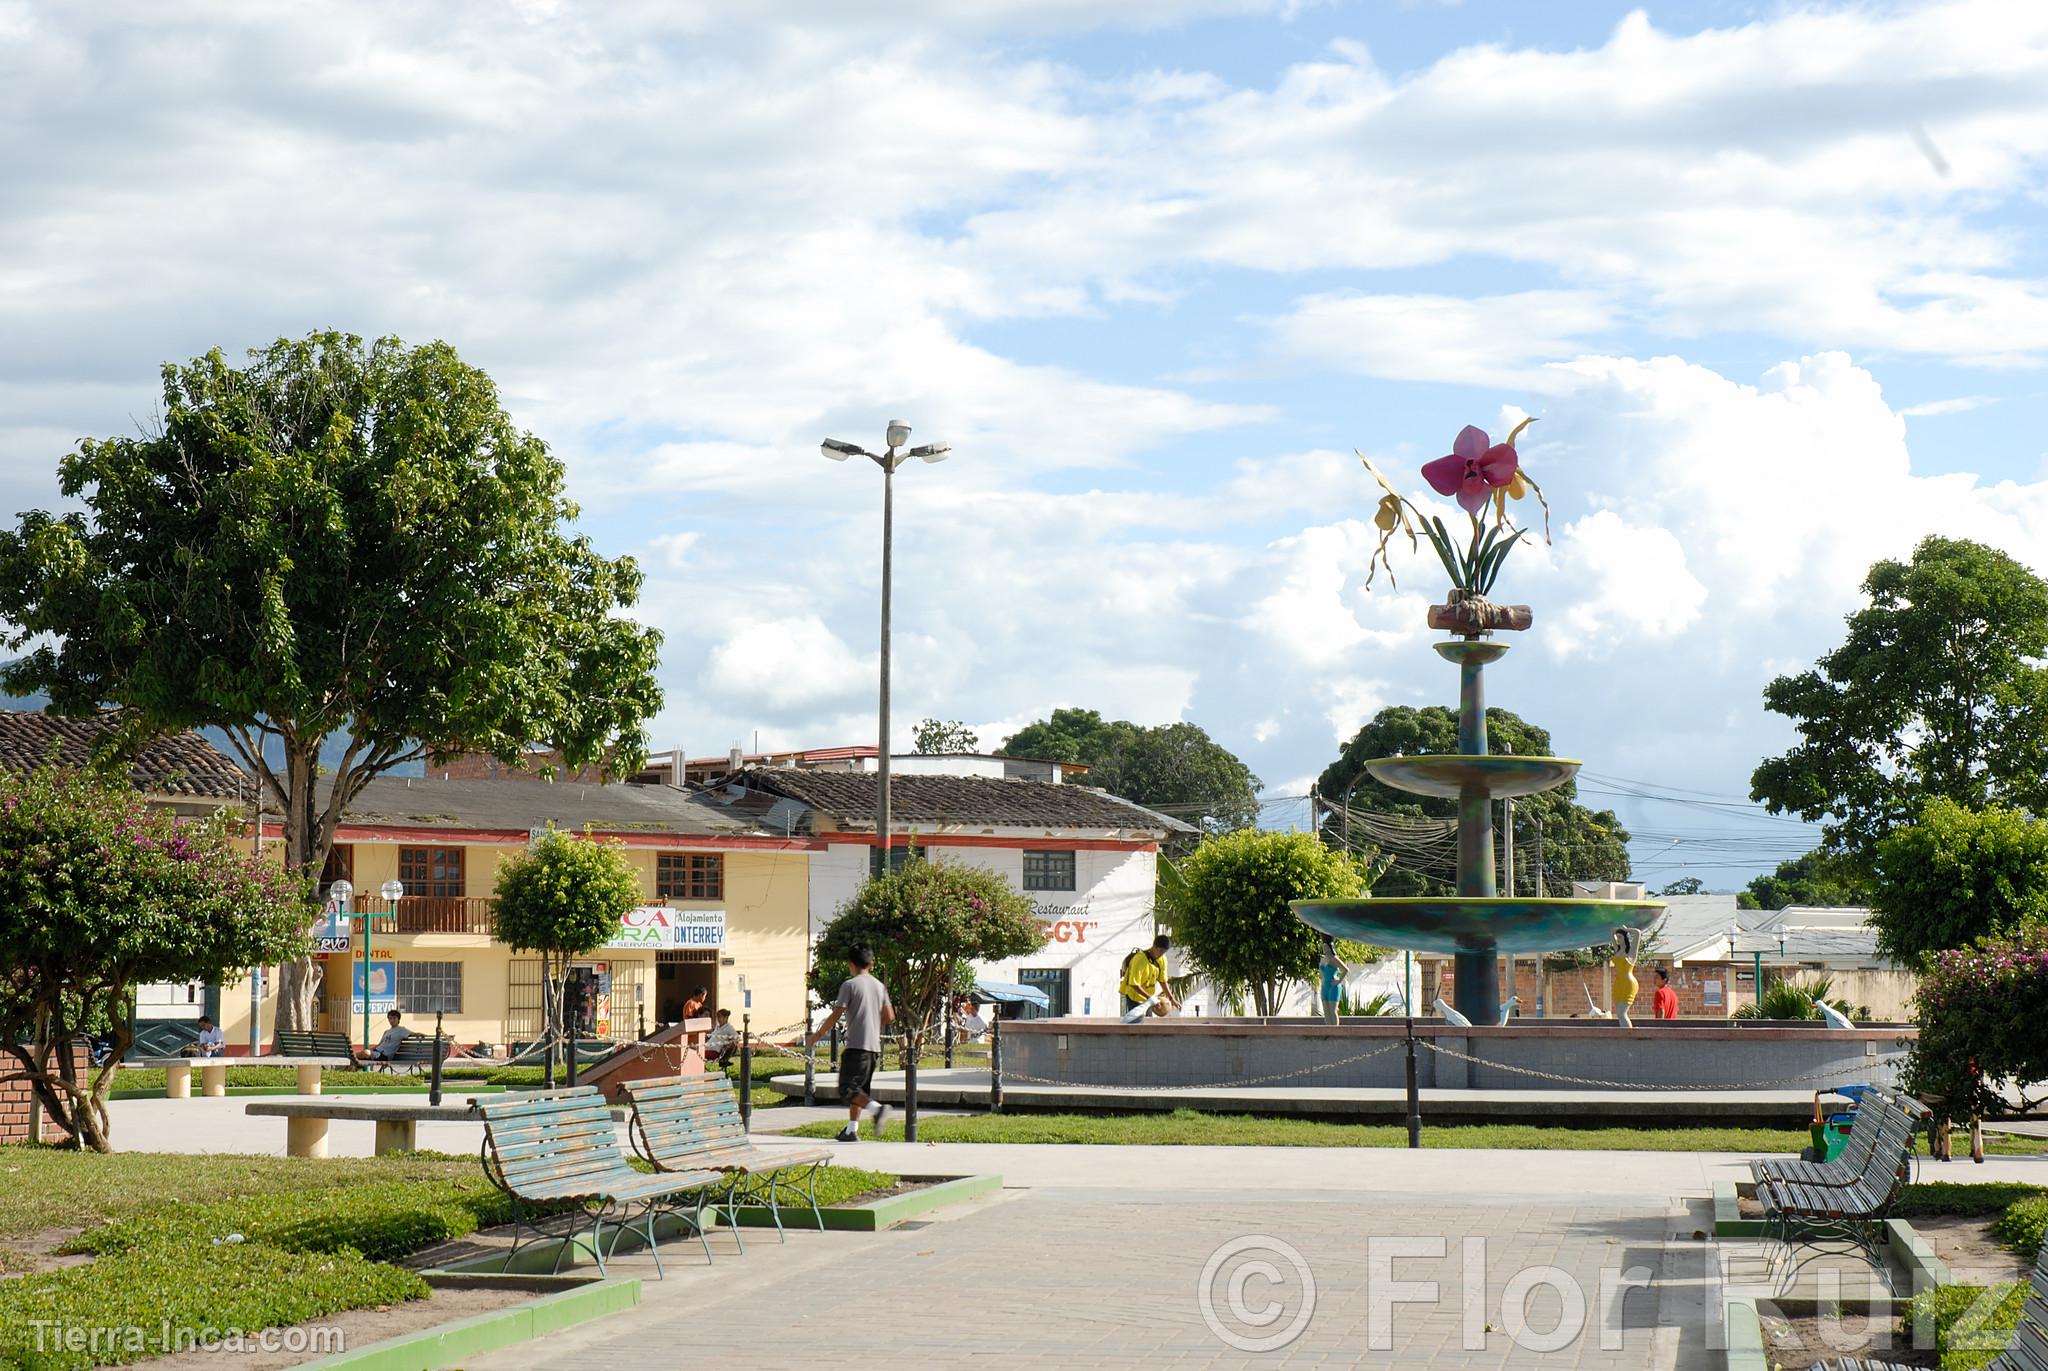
1464,923
1500,777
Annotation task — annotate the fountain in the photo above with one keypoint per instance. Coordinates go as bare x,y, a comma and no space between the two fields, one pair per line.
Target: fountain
1478,924
1355,1066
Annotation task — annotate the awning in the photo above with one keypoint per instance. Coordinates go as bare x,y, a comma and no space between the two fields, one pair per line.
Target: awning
1002,992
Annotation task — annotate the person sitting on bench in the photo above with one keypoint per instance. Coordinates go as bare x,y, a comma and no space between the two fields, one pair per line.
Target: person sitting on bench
722,1042
387,1046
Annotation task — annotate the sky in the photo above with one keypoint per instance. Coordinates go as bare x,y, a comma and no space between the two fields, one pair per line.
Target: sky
1770,278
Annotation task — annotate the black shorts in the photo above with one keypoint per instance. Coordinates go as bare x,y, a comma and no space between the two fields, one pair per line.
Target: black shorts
856,1073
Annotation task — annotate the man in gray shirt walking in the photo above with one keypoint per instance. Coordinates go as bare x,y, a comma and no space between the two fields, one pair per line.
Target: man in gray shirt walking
864,1004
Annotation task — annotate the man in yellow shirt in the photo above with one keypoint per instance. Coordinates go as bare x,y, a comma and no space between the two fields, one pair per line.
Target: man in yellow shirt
1144,979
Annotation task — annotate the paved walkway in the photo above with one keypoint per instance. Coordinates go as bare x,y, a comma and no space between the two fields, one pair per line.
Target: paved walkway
1145,1256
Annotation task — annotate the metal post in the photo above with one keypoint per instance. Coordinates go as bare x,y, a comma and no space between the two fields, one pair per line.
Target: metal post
1414,1096
1478,976
952,1012
810,1077
747,1071
882,836
366,980
572,1010
910,1056
995,1060
434,1071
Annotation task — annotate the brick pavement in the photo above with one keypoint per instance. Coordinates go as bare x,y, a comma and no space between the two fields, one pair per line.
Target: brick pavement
1087,1278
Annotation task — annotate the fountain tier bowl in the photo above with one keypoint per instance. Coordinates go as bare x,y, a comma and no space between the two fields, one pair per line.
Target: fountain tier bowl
1460,923
1500,776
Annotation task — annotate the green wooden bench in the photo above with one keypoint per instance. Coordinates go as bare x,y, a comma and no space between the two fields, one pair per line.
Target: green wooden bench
311,1042
692,1122
2028,1350
415,1054
559,1149
1845,1211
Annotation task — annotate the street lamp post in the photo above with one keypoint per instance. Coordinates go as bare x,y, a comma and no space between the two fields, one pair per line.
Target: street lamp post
897,434
339,893
393,892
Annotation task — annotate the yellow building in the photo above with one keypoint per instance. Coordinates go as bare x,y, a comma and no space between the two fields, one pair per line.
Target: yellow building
727,908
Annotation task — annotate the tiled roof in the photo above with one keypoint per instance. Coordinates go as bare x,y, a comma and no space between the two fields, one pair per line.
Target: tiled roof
849,798
179,764
499,805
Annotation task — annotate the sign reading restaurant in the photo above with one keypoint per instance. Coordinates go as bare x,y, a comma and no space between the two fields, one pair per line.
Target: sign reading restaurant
651,926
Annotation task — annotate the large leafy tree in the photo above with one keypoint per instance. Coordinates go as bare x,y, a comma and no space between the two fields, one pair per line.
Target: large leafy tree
927,923
1956,876
333,540
1227,904
1937,692
935,736
1578,844
102,894
1816,878
1175,768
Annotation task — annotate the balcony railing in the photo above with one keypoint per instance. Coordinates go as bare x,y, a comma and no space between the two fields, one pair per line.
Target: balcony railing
429,914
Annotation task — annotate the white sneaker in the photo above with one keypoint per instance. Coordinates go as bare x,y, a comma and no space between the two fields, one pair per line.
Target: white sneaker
881,1114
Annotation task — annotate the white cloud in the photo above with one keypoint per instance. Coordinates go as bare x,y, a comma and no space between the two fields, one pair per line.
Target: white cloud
1496,340
771,665
1960,404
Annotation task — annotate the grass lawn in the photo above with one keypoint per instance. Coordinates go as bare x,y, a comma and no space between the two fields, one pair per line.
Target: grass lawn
1188,1127
181,1244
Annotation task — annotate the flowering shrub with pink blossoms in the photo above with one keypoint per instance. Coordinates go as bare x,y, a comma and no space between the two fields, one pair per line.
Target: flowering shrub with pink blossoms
1983,1015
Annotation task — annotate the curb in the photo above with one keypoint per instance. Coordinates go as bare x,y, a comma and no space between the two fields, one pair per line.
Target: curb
257,1091
873,1216
452,1343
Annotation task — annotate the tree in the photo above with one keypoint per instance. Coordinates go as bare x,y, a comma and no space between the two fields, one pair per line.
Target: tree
1579,844
1689,885
102,894
1957,876
563,897
1937,692
1817,878
333,540
927,923
1980,1011
1229,909
938,736
1175,768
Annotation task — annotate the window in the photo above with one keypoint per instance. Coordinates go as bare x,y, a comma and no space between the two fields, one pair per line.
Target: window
431,872
690,875
1048,871
430,987
899,857
1057,983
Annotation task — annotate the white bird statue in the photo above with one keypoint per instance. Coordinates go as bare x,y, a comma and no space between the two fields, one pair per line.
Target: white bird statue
1451,1016
1593,1009
1507,1011
1835,1017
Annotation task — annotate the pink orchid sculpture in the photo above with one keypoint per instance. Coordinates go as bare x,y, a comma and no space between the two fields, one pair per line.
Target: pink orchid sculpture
1473,470
1477,472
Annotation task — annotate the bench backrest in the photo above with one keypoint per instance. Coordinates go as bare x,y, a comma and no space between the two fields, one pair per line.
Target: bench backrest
675,1118
307,1042
1884,1172
420,1047
550,1141
2028,1350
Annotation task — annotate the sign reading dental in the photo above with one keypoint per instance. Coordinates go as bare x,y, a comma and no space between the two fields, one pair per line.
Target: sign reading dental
651,926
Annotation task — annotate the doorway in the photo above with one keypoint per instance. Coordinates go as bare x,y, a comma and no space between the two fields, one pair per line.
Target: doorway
680,972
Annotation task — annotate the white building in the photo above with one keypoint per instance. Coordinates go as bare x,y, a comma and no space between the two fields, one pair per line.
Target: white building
1087,860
